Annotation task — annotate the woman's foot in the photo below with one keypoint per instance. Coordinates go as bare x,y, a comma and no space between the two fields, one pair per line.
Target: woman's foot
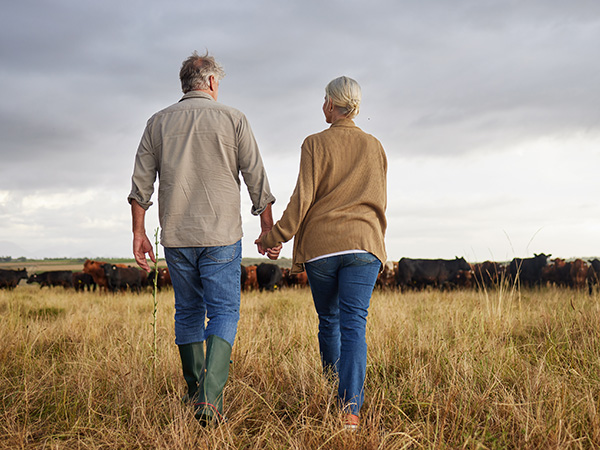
351,422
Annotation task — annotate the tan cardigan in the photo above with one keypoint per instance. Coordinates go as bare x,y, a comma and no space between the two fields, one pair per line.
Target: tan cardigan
340,197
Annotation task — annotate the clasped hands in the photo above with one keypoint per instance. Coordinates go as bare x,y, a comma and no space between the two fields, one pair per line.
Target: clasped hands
272,253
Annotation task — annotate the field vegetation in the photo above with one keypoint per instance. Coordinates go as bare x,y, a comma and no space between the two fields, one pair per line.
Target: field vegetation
470,369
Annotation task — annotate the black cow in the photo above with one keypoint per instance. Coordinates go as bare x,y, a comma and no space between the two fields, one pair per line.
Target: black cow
593,275
528,271
243,276
269,276
122,277
418,273
82,280
53,278
9,279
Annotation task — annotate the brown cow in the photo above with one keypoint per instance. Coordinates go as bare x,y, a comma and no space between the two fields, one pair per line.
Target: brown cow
295,279
464,279
578,273
286,281
251,280
488,274
301,279
556,273
387,277
96,270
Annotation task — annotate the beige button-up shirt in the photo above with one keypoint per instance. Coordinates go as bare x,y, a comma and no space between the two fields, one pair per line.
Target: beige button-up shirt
198,147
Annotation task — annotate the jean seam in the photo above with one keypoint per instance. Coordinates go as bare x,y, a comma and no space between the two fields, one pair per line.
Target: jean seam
365,257
319,262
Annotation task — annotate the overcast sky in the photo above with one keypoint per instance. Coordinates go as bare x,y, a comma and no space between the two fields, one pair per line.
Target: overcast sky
488,111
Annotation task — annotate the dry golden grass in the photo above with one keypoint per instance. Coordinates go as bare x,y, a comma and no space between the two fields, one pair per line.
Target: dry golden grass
446,370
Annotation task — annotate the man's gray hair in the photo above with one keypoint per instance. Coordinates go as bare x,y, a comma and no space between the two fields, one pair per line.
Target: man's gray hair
196,71
345,93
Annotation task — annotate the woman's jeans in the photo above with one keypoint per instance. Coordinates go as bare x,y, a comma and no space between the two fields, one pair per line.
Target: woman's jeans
341,287
206,282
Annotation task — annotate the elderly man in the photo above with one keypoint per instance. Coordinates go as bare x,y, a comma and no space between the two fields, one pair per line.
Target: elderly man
198,147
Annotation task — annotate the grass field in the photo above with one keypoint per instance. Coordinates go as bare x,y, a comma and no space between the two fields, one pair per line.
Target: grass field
499,369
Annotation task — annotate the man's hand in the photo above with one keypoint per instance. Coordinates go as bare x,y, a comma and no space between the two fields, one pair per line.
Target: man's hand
262,250
141,243
266,224
141,246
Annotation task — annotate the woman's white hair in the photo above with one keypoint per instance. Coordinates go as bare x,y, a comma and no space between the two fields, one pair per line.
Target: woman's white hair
345,94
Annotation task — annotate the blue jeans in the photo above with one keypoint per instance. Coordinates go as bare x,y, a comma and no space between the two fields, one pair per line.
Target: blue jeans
206,282
341,287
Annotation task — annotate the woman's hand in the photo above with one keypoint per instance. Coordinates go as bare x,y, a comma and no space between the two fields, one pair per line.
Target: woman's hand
273,253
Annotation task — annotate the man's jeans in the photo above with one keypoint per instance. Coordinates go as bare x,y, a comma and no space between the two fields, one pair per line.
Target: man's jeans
206,281
341,287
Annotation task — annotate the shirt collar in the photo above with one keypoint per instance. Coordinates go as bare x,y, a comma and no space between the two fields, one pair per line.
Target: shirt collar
196,94
344,122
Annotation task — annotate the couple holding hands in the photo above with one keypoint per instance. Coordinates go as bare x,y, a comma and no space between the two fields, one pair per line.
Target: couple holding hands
336,215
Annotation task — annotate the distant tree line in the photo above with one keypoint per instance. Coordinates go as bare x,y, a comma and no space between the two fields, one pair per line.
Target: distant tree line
10,259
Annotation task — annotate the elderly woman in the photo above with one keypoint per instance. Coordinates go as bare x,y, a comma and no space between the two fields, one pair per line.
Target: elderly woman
337,215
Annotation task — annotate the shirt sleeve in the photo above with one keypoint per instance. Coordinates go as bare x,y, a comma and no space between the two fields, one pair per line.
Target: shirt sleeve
252,168
144,172
300,202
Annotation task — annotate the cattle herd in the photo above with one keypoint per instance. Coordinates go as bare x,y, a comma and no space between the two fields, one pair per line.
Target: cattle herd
95,275
108,277
457,273
406,274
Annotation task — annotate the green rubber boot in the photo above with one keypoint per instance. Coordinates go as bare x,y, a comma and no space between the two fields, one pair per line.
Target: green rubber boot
192,363
210,395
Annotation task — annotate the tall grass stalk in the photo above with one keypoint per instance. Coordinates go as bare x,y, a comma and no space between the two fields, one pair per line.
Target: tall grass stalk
155,304
500,296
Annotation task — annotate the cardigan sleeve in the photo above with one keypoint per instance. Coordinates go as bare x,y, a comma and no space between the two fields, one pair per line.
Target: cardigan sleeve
299,204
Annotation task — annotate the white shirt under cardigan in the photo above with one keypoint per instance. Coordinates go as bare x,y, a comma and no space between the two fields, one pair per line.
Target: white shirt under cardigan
345,252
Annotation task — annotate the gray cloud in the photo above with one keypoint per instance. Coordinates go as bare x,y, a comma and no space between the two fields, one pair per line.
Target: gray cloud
441,81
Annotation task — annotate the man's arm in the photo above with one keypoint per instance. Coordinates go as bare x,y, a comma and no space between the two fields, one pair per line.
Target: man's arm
252,169
141,243
266,224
